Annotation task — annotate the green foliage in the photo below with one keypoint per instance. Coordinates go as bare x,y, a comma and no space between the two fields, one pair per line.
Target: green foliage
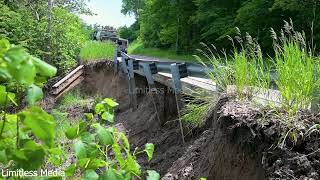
107,149
106,109
95,50
132,7
71,99
69,36
181,24
245,68
196,109
27,137
297,70
153,175
130,33
26,24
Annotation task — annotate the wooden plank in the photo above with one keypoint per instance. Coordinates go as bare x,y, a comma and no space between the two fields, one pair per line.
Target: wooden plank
72,85
56,90
68,76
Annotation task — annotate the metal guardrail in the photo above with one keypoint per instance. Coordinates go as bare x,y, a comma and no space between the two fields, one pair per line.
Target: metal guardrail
195,70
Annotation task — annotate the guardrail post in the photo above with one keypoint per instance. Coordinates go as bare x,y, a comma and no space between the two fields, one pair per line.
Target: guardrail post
131,88
133,65
178,71
115,61
124,65
149,70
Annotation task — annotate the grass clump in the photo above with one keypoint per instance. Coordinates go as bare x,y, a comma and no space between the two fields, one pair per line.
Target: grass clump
71,99
198,103
138,48
297,70
244,68
97,50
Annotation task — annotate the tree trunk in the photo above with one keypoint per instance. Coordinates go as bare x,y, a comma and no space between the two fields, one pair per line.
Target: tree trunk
50,5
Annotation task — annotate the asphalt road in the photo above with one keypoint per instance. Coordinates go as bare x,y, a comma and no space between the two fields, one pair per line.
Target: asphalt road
148,58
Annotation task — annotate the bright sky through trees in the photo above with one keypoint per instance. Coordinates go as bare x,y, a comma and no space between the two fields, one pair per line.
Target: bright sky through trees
107,13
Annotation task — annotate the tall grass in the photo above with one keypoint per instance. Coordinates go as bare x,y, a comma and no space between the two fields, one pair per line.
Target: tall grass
244,68
96,50
196,109
297,70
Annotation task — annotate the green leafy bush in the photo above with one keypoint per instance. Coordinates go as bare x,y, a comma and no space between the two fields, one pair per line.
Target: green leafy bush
105,149
26,136
27,25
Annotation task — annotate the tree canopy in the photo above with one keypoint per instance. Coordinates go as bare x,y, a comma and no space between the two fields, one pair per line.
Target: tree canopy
183,24
26,23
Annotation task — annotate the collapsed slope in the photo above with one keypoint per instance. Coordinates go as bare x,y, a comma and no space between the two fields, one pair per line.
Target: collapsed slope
239,140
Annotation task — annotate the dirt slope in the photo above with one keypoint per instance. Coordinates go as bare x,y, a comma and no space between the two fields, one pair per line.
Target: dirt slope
239,141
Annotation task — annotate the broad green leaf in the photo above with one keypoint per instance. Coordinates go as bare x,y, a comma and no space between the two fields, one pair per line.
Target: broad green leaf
82,163
90,175
153,175
30,156
111,174
3,157
4,46
95,164
132,166
3,94
56,156
72,132
87,138
125,141
111,103
71,170
108,116
6,96
88,116
43,68
118,155
5,76
75,131
92,150
80,150
16,56
20,66
41,124
99,108
105,137
149,149
34,94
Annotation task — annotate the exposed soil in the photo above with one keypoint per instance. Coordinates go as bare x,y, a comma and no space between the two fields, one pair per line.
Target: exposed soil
238,142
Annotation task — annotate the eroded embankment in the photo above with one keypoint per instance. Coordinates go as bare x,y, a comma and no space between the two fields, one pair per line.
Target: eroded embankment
239,141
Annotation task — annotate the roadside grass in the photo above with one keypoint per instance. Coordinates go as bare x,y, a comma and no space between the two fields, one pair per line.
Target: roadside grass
97,50
196,108
68,105
296,70
71,99
60,112
137,48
